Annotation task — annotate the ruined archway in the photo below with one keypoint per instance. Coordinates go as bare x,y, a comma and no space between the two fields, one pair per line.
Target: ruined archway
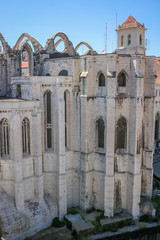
86,45
36,45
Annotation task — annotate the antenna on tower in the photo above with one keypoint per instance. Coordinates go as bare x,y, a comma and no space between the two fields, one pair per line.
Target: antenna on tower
105,47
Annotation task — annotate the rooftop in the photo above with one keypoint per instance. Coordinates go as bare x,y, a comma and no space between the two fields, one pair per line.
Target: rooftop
130,23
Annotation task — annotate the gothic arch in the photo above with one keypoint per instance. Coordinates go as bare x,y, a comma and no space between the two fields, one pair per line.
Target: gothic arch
36,45
122,78
100,132
25,46
121,133
101,78
4,43
64,38
83,43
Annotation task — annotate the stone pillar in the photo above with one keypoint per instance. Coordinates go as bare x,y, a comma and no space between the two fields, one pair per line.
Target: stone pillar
85,173
60,140
37,154
16,155
110,143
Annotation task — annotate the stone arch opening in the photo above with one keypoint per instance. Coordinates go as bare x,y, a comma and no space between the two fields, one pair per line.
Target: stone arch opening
59,44
26,60
61,38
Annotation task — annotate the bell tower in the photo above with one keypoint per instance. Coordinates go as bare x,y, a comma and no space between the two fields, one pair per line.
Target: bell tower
131,37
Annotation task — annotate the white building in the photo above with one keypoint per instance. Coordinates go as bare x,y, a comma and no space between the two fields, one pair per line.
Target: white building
76,131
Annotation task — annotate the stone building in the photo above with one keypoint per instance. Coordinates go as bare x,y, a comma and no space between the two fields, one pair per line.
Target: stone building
76,131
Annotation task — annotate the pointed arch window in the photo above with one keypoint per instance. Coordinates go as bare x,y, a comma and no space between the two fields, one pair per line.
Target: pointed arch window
121,134
26,136
100,133
129,39
48,119
122,79
4,137
101,80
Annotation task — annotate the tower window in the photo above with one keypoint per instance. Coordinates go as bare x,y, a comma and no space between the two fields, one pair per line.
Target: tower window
129,39
122,79
26,135
121,133
100,133
4,138
101,80
122,41
140,39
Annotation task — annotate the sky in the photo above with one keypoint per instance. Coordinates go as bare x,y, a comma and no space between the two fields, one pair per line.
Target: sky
83,20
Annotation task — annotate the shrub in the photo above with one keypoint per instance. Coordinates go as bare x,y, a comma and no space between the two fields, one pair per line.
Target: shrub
57,223
72,211
113,228
148,218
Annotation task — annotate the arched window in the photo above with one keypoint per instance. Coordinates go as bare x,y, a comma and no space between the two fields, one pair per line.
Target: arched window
66,116
63,73
121,134
122,41
140,39
129,39
48,119
48,74
101,80
4,137
26,135
122,79
100,133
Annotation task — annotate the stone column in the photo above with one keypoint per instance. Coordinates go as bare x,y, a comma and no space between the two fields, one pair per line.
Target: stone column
60,150
15,142
110,143
37,154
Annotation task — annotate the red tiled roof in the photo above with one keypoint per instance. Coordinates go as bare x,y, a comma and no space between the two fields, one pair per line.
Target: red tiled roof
130,23
24,64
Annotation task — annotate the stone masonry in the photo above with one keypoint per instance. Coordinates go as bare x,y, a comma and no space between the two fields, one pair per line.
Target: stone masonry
76,131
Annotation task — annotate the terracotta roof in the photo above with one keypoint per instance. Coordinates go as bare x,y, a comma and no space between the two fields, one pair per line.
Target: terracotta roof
24,64
158,62
130,23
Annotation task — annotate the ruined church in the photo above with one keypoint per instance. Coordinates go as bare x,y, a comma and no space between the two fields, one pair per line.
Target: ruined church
75,131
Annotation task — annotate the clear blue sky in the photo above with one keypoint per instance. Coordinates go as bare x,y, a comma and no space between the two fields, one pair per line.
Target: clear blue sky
82,20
